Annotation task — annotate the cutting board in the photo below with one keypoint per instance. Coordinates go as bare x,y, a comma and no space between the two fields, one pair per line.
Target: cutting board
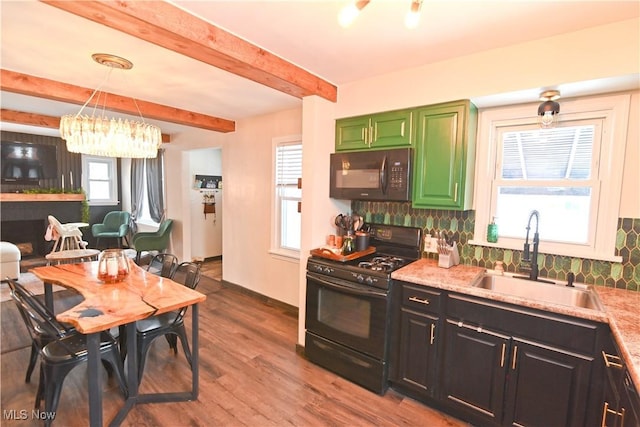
326,253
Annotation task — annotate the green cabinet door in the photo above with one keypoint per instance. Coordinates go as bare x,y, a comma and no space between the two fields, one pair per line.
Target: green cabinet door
392,129
352,133
445,156
377,131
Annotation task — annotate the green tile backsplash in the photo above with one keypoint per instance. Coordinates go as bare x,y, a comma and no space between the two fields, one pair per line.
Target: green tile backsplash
624,275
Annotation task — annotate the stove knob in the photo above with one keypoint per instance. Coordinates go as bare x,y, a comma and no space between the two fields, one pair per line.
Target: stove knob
328,270
318,268
369,280
359,278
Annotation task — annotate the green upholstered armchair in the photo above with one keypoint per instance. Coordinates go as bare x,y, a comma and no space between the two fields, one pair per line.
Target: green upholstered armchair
114,226
152,241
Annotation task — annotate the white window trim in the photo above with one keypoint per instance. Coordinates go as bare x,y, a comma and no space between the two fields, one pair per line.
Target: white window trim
113,172
275,250
615,110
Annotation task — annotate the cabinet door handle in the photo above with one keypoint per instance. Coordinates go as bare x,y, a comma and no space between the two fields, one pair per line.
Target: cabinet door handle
364,135
420,300
433,333
515,356
609,360
455,193
606,410
372,133
504,349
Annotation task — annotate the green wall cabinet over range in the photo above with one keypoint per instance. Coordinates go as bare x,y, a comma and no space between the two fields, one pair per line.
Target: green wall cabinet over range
445,156
383,130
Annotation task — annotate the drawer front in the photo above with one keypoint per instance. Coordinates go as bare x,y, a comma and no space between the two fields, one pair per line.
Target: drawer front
564,332
420,298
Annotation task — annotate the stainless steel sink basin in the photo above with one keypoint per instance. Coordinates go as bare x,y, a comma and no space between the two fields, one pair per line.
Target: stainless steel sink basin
580,296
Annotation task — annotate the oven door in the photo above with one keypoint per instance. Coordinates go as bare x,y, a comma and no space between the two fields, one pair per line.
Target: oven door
348,313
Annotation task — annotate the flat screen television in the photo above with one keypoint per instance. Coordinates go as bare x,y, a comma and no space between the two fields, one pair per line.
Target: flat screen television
26,163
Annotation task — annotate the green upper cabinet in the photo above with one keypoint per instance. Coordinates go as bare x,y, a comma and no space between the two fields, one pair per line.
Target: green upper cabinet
383,130
445,156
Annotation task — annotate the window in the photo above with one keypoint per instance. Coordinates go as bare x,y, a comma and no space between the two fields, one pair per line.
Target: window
287,196
100,180
570,174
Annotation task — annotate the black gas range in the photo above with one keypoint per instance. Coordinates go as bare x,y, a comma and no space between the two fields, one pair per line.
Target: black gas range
348,306
396,247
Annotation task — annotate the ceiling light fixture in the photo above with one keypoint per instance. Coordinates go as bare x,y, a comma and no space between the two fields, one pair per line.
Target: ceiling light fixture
350,12
412,18
548,111
109,137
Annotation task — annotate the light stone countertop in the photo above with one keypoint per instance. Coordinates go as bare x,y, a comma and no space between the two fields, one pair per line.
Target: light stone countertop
621,307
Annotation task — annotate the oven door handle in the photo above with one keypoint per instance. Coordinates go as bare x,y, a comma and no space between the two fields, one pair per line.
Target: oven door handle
351,289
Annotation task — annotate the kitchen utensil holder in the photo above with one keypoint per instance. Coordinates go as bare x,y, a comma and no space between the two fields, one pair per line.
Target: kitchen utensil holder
449,259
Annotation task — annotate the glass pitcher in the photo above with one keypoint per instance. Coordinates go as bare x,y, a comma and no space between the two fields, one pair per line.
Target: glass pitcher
113,266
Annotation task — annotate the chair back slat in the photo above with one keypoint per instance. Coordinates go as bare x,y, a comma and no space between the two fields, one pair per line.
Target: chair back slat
163,265
188,274
36,315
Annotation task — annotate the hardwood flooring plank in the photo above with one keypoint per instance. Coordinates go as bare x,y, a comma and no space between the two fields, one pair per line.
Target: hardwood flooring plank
250,375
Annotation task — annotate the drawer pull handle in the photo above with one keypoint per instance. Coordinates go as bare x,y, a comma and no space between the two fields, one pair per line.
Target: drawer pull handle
433,335
611,361
504,348
606,411
515,356
420,300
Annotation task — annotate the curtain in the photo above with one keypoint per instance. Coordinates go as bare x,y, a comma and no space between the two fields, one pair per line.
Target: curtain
154,186
137,192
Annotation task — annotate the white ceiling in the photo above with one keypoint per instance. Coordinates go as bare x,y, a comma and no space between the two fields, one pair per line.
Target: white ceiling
41,40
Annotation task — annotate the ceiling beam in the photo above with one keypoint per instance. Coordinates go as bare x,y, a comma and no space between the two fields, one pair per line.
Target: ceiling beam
41,120
168,26
25,84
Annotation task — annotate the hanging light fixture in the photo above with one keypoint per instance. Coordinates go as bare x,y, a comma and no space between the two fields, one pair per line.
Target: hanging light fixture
350,12
109,137
412,17
549,109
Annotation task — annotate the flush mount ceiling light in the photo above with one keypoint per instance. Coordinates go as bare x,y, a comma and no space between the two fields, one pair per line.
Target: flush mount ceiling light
548,111
100,135
350,12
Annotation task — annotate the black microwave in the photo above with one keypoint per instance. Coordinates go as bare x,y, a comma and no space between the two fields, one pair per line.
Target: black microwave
372,175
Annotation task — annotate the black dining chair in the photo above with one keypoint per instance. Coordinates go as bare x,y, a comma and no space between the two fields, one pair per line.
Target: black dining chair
40,338
163,264
169,324
67,350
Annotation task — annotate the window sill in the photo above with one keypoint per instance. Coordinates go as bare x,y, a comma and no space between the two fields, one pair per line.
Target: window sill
568,252
288,256
103,202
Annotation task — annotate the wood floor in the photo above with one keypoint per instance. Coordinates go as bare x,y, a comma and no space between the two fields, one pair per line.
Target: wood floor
250,375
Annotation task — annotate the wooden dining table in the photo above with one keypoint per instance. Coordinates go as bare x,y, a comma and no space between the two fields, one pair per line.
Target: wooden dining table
141,294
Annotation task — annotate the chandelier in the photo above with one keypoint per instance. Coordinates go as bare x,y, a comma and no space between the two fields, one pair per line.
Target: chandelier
100,135
350,12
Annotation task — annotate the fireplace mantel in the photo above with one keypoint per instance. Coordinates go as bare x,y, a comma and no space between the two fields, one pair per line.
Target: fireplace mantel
40,197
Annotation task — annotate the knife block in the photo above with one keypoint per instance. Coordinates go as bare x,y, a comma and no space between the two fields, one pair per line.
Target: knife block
451,258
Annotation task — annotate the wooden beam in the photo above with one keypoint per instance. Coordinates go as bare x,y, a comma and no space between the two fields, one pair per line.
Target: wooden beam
170,27
24,84
41,120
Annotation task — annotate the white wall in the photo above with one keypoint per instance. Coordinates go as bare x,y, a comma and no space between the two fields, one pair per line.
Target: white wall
247,168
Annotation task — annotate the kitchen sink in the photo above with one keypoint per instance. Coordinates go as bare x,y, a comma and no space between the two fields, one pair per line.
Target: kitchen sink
580,296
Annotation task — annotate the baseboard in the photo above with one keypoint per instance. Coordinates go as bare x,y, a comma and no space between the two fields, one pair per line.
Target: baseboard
288,308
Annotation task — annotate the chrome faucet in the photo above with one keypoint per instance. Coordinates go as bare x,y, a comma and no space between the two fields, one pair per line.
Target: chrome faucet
532,257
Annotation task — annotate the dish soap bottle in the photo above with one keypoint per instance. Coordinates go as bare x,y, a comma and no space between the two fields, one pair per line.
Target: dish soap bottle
492,231
347,245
